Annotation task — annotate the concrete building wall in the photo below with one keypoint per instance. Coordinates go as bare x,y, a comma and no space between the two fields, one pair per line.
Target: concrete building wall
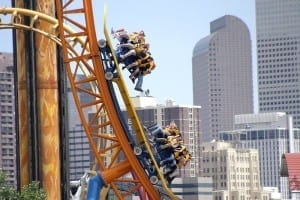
235,172
193,188
222,75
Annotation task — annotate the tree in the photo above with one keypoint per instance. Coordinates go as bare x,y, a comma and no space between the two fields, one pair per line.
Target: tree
33,192
28,192
5,191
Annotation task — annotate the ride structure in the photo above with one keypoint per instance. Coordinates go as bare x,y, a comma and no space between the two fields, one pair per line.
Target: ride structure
126,161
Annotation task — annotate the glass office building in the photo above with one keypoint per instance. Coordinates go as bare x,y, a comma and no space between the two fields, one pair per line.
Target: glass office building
278,55
272,134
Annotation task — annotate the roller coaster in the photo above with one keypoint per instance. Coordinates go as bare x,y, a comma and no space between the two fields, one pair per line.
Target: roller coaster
127,162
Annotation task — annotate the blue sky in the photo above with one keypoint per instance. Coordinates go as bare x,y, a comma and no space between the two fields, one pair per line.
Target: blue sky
172,28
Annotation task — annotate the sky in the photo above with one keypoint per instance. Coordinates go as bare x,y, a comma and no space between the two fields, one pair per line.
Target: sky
172,29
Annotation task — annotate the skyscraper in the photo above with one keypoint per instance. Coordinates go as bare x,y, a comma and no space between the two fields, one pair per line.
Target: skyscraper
222,75
7,117
278,56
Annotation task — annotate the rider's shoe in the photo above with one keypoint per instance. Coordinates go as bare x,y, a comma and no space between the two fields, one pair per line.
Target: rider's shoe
139,89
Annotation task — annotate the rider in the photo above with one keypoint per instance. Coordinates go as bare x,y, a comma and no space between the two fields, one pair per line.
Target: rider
134,46
135,49
142,66
145,64
121,34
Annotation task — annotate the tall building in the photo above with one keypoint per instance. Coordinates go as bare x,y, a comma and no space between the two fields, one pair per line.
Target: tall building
185,117
278,55
80,154
272,134
235,172
222,75
7,119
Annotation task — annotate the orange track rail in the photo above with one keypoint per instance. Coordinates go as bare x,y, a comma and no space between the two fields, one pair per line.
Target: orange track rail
104,130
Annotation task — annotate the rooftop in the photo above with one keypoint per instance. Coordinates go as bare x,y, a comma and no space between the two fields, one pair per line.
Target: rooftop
290,167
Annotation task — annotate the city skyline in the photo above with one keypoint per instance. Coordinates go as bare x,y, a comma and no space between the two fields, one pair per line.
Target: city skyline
230,64
172,32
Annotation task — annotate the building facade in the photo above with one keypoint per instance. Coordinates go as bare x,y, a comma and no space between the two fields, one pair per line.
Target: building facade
222,75
7,119
80,154
235,172
272,134
185,117
278,55
192,188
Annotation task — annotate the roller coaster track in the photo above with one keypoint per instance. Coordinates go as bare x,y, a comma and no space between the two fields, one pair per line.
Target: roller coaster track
105,129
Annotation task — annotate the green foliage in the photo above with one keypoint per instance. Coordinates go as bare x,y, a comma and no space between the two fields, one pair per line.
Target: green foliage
33,192
28,192
6,193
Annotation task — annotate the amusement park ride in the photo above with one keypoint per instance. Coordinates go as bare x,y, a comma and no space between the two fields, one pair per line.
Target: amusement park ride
127,162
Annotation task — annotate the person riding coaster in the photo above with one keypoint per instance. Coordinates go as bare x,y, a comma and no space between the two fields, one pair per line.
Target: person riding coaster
144,64
133,52
170,152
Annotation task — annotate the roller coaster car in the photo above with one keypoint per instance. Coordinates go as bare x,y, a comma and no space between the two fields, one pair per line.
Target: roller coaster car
160,156
107,58
164,157
146,162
